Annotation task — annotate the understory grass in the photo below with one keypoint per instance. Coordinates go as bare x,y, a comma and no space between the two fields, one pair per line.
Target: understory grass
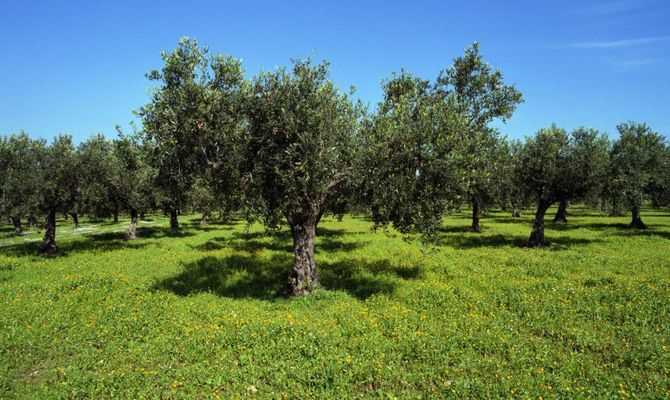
195,314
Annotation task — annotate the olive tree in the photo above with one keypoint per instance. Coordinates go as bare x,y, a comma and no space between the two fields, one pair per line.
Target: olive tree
194,121
98,194
588,151
61,177
20,178
131,178
301,142
636,162
480,94
406,171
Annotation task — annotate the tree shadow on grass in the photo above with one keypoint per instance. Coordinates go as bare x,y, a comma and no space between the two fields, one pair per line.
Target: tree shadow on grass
241,276
255,242
643,232
102,242
462,242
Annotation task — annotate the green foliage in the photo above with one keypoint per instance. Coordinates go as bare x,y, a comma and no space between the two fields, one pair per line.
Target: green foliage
406,173
543,164
301,142
636,164
195,314
193,121
21,178
61,175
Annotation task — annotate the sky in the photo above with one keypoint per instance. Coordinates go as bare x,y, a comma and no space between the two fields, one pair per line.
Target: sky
78,66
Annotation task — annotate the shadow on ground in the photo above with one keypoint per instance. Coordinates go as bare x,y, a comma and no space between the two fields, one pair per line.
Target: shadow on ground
95,242
328,240
242,276
474,240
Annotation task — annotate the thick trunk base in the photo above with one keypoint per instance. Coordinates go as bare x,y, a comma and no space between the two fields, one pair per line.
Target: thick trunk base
16,221
75,220
131,233
49,241
174,221
304,278
475,218
561,216
537,238
636,221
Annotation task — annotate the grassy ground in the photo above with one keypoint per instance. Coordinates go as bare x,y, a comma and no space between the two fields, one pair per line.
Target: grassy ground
194,315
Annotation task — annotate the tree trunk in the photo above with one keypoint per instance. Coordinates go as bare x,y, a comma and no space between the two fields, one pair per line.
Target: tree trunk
515,211
204,219
304,277
131,233
636,222
174,222
75,220
49,241
562,213
537,234
142,216
16,221
475,217
116,213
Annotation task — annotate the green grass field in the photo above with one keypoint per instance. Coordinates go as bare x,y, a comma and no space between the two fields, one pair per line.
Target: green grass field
195,315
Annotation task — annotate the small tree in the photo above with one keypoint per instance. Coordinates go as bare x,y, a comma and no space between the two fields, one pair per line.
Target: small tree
194,120
407,170
542,165
98,194
587,169
636,161
61,181
20,180
132,178
302,131
480,94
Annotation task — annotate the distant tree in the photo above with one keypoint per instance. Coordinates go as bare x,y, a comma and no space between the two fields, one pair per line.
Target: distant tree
20,178
587,169
481,95
194,120
202,200
132,178
636,162
508,187
98,194
61,181
543,168
407,172
302,131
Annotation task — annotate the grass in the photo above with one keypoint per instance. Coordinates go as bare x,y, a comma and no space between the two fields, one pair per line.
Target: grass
195,315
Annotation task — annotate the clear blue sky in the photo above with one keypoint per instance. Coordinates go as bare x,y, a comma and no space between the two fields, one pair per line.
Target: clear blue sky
79,67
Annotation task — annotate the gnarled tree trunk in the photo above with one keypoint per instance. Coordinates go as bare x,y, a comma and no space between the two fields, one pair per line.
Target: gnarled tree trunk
49,241
304,277
537,234
475,217
75,219
16,221
636,221
131,233
561,216
515,211
174,222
